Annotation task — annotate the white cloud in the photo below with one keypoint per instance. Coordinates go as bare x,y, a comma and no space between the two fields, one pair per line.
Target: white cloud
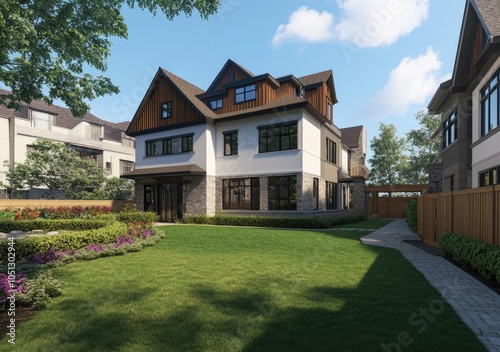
306,25
379,22
409,85
365,24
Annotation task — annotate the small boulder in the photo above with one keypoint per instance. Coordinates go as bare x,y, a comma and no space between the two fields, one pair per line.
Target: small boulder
3,236
16,233
52,233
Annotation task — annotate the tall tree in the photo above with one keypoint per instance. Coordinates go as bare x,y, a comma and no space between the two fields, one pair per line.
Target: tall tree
46,45
423,148
389,161
52,165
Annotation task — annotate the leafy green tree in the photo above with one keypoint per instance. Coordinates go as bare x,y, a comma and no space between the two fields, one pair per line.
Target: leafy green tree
423,148
46,45
52,165
389,162
118,188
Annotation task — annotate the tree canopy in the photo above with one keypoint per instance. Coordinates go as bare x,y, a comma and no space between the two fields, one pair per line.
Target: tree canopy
47,45
405,160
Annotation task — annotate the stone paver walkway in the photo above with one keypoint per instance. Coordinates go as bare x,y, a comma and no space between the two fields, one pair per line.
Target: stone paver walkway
475,303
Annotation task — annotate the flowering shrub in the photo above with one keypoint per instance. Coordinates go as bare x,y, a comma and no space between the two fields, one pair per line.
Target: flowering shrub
137,229
54,213
38,291
5,288
48,256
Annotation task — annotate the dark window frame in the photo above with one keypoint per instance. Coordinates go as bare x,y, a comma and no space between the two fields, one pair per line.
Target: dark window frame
316,193
450,129
331,195
187,144
489,91
489,177
245,94
272,134
282,192
214,104
331,151
231,143
238,187
166,110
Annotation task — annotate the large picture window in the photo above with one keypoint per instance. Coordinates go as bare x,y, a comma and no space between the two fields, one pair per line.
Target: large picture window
450,129
246,93
282,191
278,137
173,145
490,111
241,193
331,195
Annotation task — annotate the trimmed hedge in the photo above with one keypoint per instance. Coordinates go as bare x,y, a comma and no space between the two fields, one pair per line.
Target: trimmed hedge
482,257
137,216
269,221
53,225
65,241
411,214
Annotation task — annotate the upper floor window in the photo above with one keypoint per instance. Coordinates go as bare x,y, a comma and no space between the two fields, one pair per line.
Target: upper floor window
450,129
278,137
490,177
126,166
300,92
93,132
166,110
329,111
215,104
331,151
244,93
231,143
490,97
173,145
42,120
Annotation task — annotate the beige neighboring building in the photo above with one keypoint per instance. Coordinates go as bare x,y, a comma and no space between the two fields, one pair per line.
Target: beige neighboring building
101,141
469,102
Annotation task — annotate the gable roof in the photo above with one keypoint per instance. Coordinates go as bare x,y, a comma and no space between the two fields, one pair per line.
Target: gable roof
315,79
483,12
350,136
229,63
64,117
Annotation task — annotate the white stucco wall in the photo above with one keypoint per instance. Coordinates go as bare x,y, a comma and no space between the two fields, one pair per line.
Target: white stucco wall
4,147
486,153
250,162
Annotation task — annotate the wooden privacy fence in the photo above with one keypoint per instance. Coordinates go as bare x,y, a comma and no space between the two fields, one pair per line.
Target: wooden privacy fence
474,213
388,207
116,205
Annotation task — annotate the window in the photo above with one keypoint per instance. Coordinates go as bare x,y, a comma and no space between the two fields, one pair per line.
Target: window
329,111
241,193
331,151
490,97
108,168
126,166
174,145
166,110
300,92
331,195
215,104
244,93
490,177
315,193
282,191
93,132
231,143
42,120
278,137
450,129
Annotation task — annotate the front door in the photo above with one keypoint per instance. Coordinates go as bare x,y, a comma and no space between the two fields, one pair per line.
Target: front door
171,198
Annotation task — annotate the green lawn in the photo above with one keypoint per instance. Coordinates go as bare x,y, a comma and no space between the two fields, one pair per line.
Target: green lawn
206,288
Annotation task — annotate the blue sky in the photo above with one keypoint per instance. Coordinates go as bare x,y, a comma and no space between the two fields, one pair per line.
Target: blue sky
387,56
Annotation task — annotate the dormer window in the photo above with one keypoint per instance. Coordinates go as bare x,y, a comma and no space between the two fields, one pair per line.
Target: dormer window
42,120
246,93
166,110
300,92
93,132
215,104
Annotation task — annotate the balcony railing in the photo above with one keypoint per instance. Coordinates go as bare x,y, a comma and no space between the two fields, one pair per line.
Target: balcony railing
359,171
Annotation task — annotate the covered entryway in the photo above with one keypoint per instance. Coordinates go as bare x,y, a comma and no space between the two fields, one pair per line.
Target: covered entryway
164,190
382,201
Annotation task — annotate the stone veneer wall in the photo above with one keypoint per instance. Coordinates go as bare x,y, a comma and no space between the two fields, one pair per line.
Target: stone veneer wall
200,195
435,177
359,197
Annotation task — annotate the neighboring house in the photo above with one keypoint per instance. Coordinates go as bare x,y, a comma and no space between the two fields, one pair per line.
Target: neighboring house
469,102
101,141
249,144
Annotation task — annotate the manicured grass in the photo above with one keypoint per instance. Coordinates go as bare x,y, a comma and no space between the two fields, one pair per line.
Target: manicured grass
206,288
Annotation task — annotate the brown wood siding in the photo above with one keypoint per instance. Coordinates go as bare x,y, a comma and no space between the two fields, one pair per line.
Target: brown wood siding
263,95
182,110
317,98
477,49
286,88
238,76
